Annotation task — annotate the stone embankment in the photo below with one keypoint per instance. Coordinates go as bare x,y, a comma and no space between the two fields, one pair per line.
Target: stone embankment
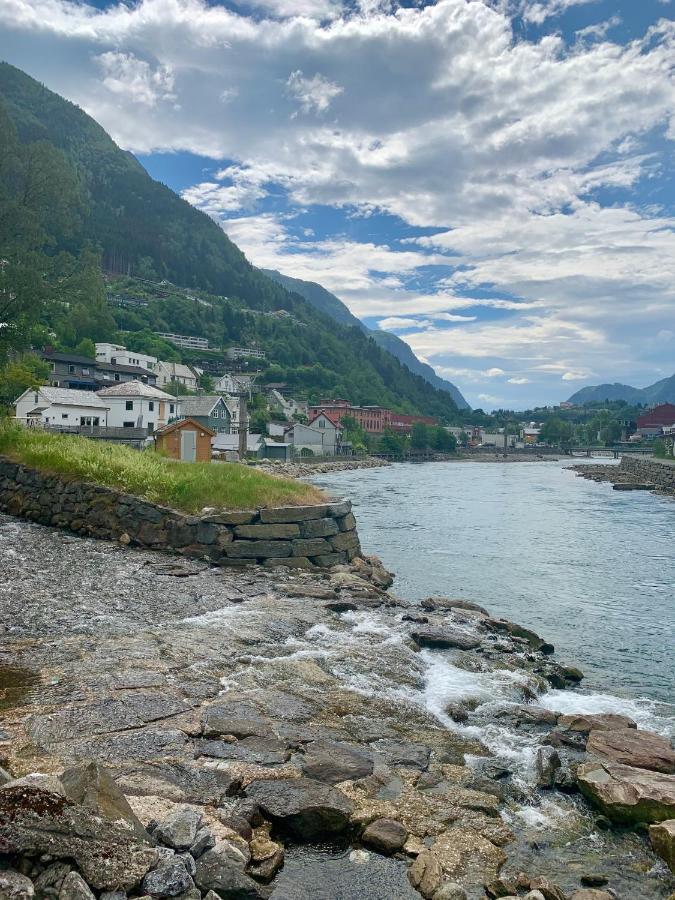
634,474
305,469
303,537
194,726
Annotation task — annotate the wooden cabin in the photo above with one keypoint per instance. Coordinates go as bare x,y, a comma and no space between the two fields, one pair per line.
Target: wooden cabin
185,439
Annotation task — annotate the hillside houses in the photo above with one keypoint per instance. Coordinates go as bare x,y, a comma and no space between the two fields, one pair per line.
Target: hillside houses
322,436
61,407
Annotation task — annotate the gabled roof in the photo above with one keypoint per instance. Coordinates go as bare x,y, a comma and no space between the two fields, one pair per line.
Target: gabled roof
69,397
200,406
135,389
331,418
130,370
57,356
181,423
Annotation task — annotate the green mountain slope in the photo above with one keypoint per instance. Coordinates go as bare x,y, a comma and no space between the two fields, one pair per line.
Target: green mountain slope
141,226
322,299
661,392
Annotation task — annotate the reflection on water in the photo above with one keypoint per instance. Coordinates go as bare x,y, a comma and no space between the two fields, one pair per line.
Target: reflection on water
590,568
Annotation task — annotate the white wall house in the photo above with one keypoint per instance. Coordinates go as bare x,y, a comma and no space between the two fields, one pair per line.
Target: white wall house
168,372
320,438
233,384
134,404
64,407
116,353
286,406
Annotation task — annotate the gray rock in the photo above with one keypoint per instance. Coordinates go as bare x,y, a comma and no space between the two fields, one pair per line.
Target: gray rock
237,717
386,835
14,886
38,816
268,532
450,891
258,549
179,828
547,763
335,762
169,879
318,528
662,837
74,887
403,753
176,781
204,840
307,808
221,869
5,777
425,874
432,604
193,894
52,877
603,721
262,751
236,823
293,513
442,638
113,895
188,862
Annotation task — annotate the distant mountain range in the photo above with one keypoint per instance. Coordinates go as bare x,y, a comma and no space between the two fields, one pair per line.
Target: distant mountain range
328,303
660,392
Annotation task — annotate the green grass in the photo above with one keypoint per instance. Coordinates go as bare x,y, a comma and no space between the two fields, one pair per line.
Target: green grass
184,486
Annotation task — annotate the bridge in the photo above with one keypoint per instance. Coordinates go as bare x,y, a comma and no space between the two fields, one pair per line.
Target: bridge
615,451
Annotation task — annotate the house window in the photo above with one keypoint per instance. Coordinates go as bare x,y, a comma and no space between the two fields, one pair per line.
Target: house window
117,377
53,367
151,405
71,370
85,371
129,404
171,405
36,398
128,424
151,427
322,423
64,415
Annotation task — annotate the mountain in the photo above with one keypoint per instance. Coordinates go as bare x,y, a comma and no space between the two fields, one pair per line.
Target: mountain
328,303
142,228
661,392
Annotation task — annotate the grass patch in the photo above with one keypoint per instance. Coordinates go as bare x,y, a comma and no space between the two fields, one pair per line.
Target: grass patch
185,486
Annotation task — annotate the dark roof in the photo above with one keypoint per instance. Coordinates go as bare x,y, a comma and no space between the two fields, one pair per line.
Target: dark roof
131,370
660,415
179,423
68,357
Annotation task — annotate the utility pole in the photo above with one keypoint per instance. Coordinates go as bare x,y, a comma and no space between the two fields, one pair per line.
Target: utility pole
506,437
243,426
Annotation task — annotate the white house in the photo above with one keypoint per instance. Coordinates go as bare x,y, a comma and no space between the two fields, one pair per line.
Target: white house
287,407
168,372
134,404
233,384
321,437
61,406
116,353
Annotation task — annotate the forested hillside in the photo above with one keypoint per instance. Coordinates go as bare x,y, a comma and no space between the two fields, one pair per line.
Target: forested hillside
322,299
116,214
662,391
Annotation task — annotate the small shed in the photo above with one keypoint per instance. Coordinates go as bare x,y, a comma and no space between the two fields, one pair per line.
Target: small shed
185,439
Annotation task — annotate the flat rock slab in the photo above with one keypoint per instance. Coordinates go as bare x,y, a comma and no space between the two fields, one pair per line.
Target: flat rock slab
237,717
333,762
628,795
602,722
403,753
465,856
307,808
444,639
180,782
261,751
633,747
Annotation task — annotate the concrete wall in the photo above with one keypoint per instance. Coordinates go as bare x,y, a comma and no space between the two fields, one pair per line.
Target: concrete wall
653,471
298,536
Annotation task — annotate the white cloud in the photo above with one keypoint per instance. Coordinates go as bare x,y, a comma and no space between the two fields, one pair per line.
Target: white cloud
396,323
575,375
494,372
537,11
600,29
519,380
314,94
134,79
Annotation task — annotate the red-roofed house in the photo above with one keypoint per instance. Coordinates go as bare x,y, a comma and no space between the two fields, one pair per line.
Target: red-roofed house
652,423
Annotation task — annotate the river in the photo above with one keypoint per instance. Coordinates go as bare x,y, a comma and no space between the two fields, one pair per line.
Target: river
589,568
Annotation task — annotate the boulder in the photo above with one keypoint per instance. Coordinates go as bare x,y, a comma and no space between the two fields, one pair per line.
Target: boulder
633,747
591,894
662,837
74,887
221,869
52,877
37,816
403,753
14,886
267,856
531,714
601,722
386,835
179,828
204,840
307,808
466,856
450,891
333,762
425,874
169,879
442,638
547,764
546,888
628,795
533,639
432,604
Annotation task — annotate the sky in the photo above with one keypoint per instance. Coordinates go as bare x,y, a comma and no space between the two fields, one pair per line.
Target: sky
491,180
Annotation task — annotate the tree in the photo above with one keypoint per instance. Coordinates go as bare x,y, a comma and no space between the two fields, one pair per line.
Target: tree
556,432
86,347
419,436
443,440
18,375
206,382
391,444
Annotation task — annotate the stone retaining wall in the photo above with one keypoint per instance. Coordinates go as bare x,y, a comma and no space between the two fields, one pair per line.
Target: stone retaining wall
298,536
653,471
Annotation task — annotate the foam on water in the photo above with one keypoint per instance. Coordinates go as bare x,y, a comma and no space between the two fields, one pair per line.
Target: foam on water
647,713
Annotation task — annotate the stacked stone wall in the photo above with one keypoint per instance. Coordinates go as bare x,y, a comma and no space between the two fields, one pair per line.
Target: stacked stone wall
298,536
660,473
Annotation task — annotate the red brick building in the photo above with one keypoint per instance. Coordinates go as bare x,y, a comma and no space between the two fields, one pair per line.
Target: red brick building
662,415
373,419
403,424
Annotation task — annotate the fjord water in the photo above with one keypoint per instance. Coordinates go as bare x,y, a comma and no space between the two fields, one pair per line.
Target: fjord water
590,569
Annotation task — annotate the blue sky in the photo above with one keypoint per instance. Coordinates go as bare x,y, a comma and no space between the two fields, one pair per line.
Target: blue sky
492,180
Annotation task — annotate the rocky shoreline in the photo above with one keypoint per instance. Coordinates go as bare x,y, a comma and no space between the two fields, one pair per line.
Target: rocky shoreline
308,469
204,732
637,476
